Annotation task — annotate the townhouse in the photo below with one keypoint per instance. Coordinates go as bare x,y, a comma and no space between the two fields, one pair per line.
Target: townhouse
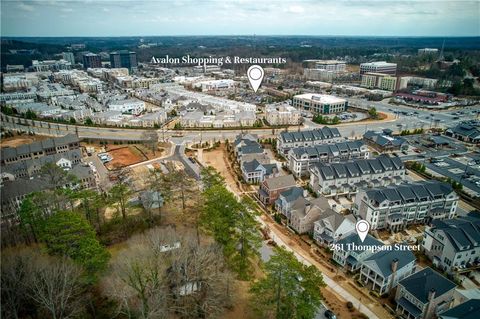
305,212
453,245
397,206
300,158
382,271
289,140
285,200
254,172
424,295
335,179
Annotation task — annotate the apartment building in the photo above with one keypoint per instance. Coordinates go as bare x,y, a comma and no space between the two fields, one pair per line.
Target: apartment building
378,67
347,178
301,158
453,245
382,271
320,103
282,114
349,255
397,206
289,140
130,106
379,81
424,295
39,149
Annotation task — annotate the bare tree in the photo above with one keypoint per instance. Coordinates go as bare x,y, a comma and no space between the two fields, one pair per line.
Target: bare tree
150,139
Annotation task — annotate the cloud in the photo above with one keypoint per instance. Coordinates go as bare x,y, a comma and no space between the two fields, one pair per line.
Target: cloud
25,7
295,9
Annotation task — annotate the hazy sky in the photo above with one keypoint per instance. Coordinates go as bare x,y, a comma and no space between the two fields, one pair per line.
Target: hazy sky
274,17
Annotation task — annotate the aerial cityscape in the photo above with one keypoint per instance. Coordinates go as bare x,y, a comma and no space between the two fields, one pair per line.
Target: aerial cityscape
240,159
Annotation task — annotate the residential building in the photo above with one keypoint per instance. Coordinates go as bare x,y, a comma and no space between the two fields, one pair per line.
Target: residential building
347,178
255,172
50,65
379,81
305,212
301,158
382,271
324,135
130,106
463,295
348,253
320,103
91,60
464,132
285,200
384,141
378,67
282,114
467,310
271,188
38,149
123,59
333,226
213,85
453,244
424,295
395,207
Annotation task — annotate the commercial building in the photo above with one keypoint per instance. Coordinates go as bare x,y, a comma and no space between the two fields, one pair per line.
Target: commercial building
453,245
91,60
427,51
348,178
384,141
130,106
214,85
331,65
324,70
424,295
379,81
464,132
282,114
50,65
123,59
320,103
301,158
378,67
397,206
324,135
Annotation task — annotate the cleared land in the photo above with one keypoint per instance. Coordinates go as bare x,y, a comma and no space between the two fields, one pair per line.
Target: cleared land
125,156
18,140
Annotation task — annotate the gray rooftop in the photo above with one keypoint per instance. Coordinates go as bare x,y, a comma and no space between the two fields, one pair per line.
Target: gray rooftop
422,282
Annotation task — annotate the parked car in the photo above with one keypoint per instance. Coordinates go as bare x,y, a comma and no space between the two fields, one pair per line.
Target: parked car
330,315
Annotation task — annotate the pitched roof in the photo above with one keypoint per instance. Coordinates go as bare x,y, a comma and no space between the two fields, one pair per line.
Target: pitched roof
310,135
355,240
467,310
462,232
381,262
421,283
280,182
292,194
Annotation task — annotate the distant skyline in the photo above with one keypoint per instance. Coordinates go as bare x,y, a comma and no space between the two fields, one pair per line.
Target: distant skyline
214,17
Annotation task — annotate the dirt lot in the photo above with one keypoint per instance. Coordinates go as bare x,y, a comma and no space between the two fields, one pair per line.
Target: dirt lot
21,140
125,156
218,159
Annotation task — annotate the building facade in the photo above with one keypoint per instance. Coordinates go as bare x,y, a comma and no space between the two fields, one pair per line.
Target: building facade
320,103
324,135
378,67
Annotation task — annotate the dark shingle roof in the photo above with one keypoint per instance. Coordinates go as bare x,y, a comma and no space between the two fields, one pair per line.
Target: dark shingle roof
381,261
422,282
467,310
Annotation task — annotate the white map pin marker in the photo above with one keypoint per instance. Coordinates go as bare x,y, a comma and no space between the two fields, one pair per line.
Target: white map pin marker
255,76
362,228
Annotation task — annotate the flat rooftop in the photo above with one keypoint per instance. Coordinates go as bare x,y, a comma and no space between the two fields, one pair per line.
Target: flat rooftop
379,63
322,98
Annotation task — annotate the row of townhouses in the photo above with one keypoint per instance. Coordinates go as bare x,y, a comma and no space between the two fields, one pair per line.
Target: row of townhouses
22,169
289,140
300,158
453,245
347,178
395,207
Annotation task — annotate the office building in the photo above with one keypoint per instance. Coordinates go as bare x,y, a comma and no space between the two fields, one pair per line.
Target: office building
123,59
348,178
453,245
397,206
68,56
50,65
427,51
324,135
300,159
378,67
320,103
91,60
379,81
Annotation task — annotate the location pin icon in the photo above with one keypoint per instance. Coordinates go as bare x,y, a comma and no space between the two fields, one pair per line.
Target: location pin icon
255,76
362,228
